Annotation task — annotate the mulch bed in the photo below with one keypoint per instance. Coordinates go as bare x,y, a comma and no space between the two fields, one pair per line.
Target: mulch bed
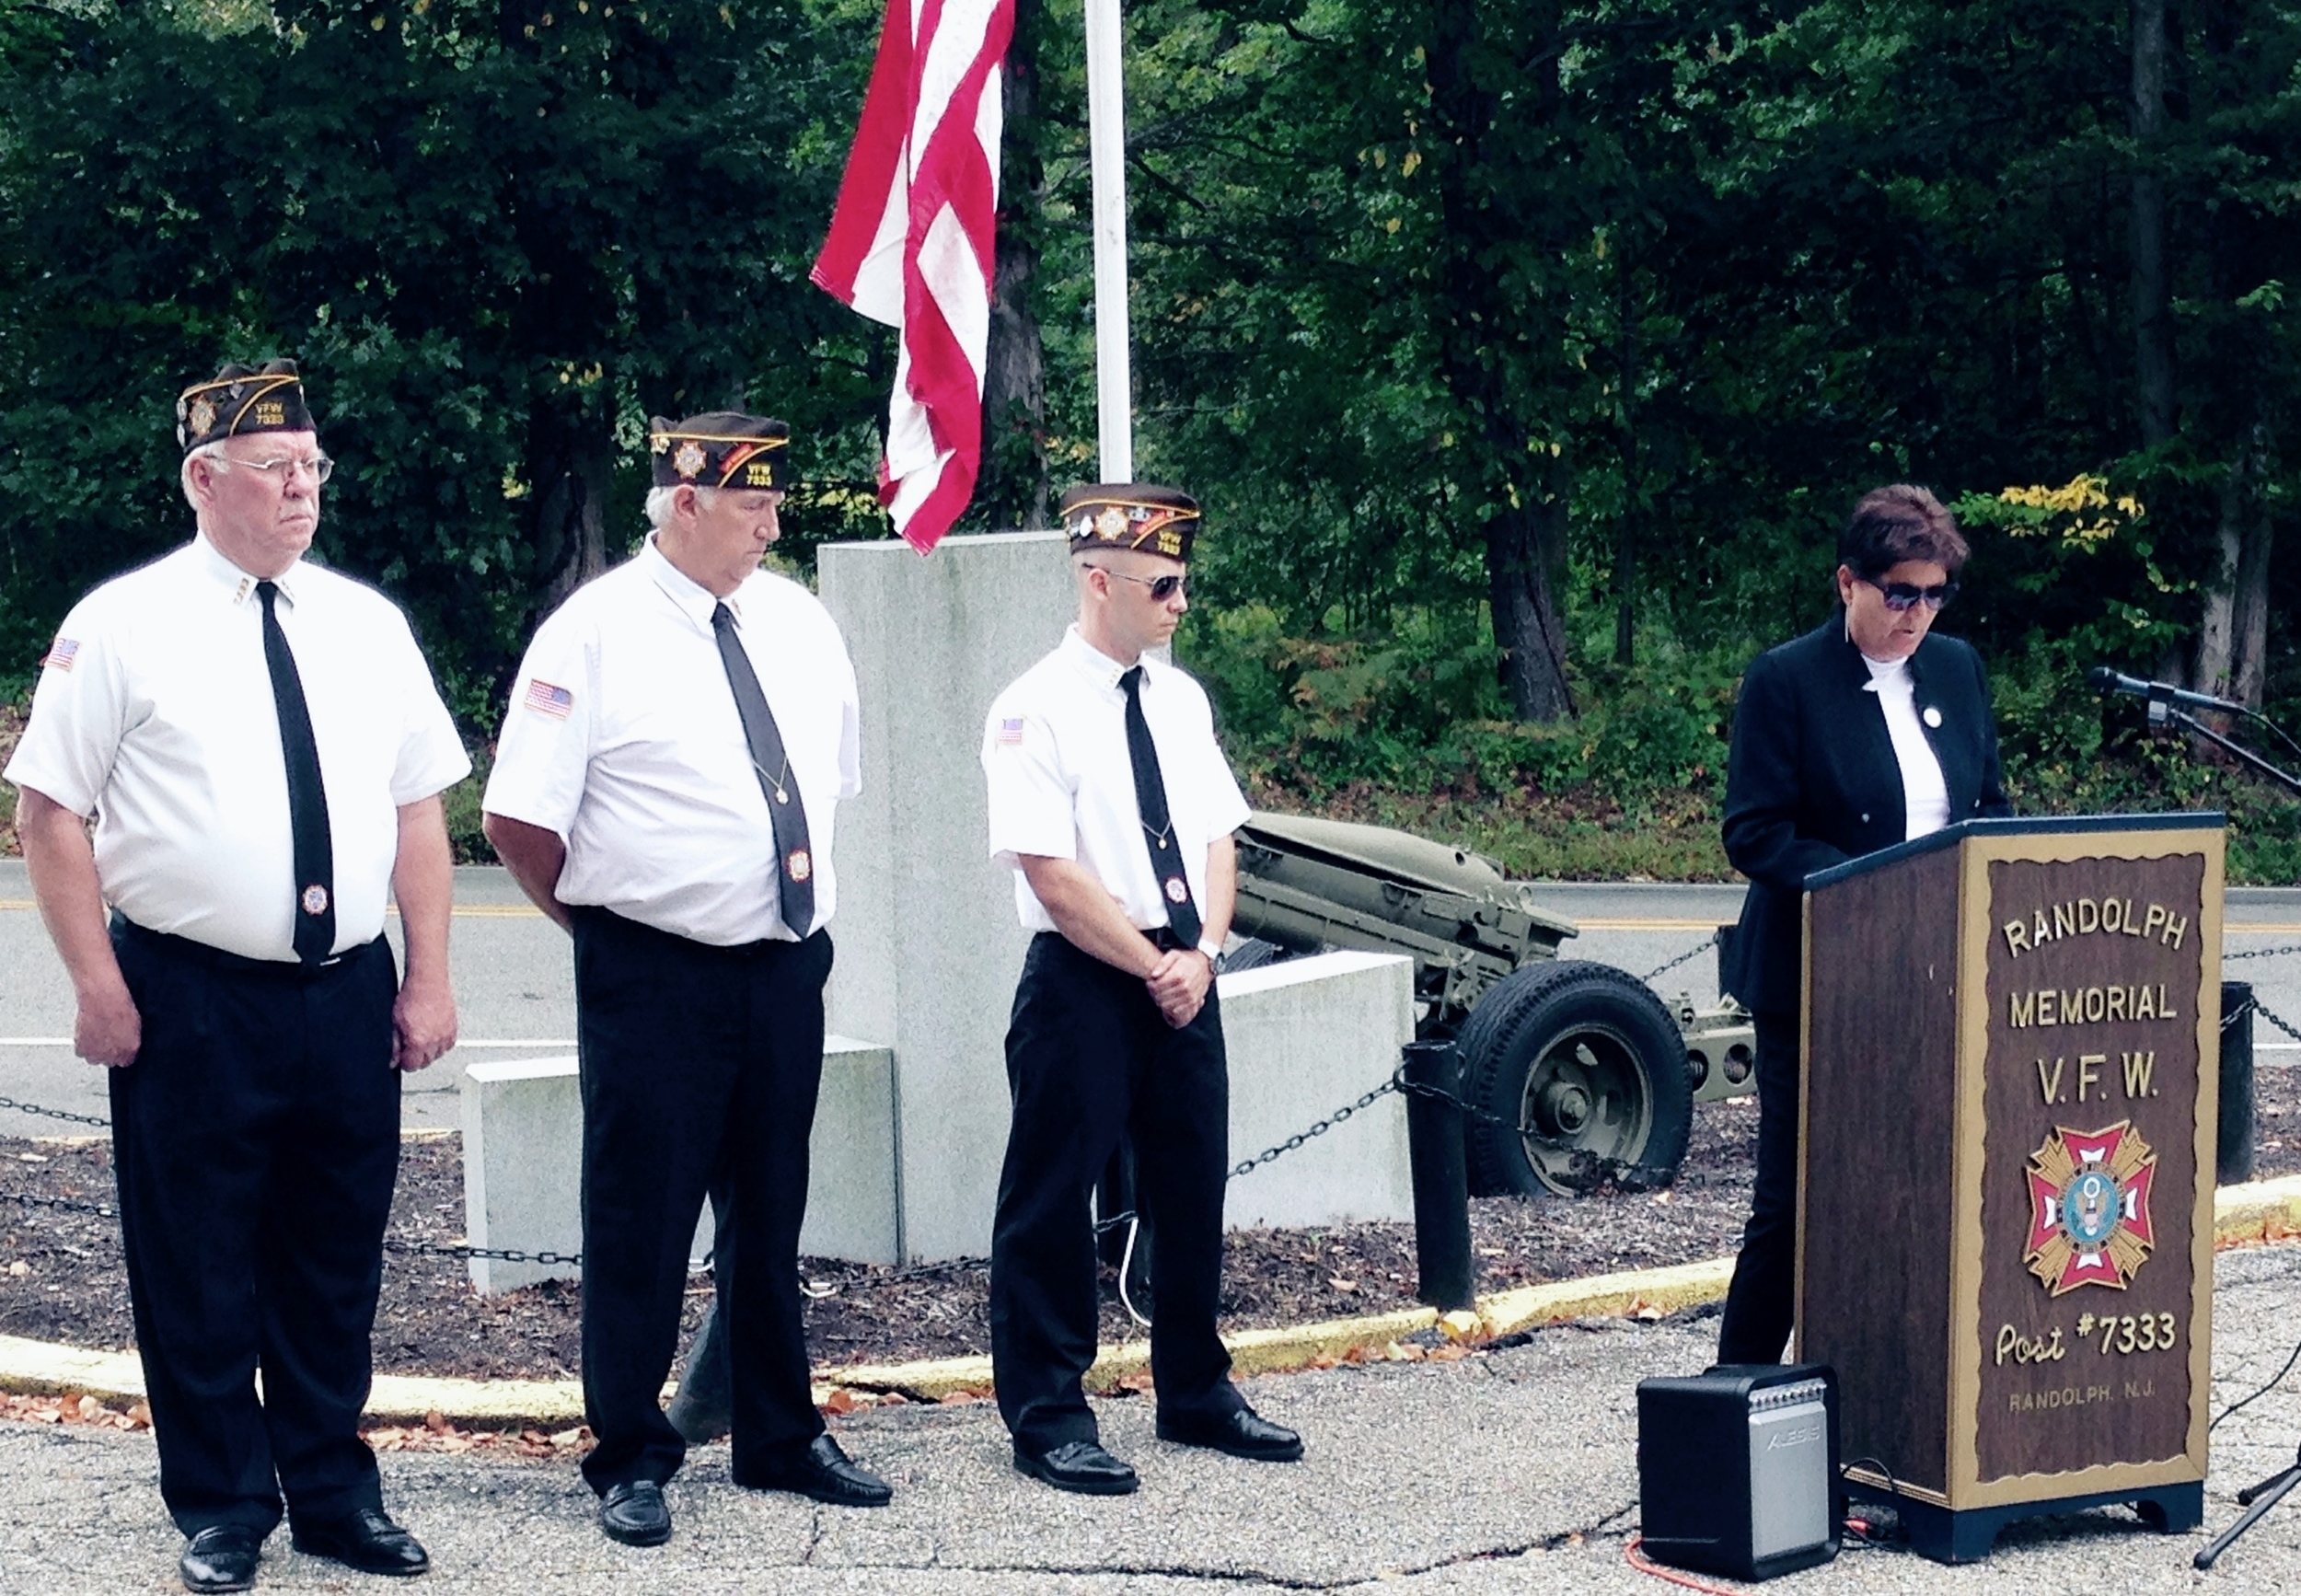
60,1278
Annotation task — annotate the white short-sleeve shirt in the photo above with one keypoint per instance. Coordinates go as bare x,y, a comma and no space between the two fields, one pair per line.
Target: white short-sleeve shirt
154,713
1062,783
622,736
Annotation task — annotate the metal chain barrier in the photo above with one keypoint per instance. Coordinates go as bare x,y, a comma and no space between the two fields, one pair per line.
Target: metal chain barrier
2228,957
1319,1128
54,1113
459,1250
61,1205
1695,951
2266,1013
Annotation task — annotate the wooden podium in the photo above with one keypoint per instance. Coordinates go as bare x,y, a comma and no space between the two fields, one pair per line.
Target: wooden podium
2005,1208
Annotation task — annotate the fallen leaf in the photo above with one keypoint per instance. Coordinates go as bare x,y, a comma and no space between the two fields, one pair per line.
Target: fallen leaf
1339,1284
842,1400
435,1421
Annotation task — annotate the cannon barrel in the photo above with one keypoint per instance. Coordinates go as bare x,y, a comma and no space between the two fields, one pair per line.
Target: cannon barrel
1306,885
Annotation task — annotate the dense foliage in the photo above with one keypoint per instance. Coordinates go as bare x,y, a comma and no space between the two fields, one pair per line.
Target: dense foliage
1528,353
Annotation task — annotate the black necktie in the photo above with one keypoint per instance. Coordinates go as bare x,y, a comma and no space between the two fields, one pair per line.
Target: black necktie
308,800
774,768
1157,827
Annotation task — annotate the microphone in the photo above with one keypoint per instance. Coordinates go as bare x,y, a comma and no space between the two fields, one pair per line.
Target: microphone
2105,680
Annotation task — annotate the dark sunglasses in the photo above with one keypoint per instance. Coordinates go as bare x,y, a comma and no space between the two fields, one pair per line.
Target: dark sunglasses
1902,597
1161,587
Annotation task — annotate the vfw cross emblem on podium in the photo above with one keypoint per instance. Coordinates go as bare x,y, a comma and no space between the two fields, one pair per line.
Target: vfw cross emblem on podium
2090,1207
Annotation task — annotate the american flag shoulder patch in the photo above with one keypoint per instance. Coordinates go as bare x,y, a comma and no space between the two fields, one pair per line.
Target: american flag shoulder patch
1011,733
60,653
548,699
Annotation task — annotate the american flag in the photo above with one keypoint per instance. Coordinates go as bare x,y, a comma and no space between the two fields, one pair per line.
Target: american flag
545,699
60,652
910,243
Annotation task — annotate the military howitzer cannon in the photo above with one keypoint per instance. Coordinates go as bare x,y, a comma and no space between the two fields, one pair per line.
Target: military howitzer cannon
1575,1070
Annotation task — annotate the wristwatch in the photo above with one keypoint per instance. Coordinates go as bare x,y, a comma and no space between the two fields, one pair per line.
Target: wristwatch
1212,949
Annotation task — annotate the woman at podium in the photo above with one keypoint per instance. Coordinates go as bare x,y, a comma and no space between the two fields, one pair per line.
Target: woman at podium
1869,731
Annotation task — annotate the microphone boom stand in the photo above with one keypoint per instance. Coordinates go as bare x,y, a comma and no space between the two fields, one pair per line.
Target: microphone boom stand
2164,714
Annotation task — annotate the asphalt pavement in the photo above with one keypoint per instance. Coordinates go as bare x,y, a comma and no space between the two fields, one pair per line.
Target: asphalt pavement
1512,1471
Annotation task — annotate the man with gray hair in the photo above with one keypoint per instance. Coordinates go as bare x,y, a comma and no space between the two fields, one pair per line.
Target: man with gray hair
262,748
677,741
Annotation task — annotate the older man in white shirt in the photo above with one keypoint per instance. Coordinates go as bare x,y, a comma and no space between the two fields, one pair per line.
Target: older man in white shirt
677,741
263,749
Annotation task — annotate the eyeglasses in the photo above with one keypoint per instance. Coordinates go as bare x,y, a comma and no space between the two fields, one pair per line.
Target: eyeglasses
1161,587
319,467
1903,597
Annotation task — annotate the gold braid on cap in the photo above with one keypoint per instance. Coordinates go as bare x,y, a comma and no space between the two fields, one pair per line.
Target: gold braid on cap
1128,523
263,383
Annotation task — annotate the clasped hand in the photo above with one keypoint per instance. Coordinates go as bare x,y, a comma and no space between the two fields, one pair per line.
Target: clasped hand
1179,983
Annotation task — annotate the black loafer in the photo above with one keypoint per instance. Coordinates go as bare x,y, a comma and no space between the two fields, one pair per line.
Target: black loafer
1078,1465
221,1558
1241,1434
635,1514
822,1472
366,1540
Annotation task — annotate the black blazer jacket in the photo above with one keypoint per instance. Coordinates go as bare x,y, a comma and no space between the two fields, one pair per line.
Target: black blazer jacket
1812,782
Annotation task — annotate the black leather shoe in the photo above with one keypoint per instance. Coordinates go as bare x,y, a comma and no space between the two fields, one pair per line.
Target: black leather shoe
635,1514
1241,1434
221,1558
366,1540
822,1472
1078,1465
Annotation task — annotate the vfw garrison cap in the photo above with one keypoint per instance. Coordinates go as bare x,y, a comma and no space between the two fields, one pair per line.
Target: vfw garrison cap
723,449
1130,515
242,399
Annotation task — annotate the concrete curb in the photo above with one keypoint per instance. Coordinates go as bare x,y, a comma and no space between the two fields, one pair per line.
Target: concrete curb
2263,1211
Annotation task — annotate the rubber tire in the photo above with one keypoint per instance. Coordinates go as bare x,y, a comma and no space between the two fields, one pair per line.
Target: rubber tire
1517,1025
1253,953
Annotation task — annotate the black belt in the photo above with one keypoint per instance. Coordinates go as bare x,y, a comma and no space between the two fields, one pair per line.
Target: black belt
125,930
1166,940
599,917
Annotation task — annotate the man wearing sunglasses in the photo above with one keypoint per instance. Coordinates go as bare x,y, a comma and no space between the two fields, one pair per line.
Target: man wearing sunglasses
264,749
1112,804
1867,731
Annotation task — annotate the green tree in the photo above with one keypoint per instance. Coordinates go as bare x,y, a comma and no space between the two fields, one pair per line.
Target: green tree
497,236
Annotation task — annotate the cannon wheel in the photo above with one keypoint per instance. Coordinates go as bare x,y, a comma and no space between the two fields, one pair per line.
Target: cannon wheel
1587,1062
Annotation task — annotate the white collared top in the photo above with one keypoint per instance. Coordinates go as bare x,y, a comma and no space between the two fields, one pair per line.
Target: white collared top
1062,783
154,713
622,736
1925,795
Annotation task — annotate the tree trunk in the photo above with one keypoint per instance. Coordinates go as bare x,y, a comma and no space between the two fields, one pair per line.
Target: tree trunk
2248,669
571,459
1012,489
1525,548
1485,327
2216,636
1625,535
2153,301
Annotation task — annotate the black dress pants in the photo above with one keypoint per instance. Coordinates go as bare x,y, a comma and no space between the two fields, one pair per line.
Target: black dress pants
696,1062
1089,1058
1760,1306
255,1140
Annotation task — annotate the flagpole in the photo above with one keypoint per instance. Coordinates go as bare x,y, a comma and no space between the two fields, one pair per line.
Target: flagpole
1106,135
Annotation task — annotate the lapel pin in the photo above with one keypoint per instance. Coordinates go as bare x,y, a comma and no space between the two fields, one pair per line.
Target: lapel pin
1932,716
